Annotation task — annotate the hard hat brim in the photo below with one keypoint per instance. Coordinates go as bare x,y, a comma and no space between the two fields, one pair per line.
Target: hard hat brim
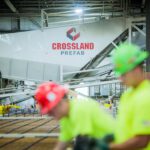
139,60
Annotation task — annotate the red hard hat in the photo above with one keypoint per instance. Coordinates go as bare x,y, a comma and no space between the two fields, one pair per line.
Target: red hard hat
48,95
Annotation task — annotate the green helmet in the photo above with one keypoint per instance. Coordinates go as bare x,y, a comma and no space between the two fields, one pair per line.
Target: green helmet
126,57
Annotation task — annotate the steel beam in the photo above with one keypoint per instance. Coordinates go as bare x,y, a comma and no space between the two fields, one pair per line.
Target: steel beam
24,118
139,30
29,135
148,34
18,93
11,6
93,84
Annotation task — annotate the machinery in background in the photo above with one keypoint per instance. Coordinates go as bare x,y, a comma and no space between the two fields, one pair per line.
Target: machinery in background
4,109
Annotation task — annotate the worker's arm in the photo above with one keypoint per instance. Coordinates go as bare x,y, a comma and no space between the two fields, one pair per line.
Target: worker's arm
61,146
136,143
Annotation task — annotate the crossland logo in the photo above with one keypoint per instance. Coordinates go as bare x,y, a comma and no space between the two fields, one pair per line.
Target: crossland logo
72,48
71,34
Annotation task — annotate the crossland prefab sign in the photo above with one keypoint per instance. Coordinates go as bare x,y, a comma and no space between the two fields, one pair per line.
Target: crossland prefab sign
73,47
69,45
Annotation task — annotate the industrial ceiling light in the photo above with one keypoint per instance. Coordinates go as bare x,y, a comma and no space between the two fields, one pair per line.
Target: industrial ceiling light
81,83
78,11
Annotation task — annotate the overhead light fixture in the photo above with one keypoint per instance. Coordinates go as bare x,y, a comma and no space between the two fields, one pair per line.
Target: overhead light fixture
78,11
81,83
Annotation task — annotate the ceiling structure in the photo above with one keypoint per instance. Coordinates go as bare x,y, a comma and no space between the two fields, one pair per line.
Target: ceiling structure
33,8
63,11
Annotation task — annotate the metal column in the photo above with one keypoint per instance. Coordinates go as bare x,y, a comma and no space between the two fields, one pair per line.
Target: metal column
148,34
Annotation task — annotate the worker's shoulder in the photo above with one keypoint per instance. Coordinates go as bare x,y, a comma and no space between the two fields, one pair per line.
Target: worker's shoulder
142,96
144,89
84,108
145,85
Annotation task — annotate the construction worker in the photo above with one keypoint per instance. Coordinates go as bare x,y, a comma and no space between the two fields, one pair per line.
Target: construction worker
133,121
78,118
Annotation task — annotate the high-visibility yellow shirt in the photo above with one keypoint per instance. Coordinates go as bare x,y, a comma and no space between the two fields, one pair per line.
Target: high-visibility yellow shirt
134,113
85,118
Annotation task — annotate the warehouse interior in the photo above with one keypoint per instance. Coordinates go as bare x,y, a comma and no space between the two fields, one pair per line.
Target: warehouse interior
66,41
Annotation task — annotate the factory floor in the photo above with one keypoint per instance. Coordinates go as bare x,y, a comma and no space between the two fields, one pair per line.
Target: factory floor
28,126
20,124
27,143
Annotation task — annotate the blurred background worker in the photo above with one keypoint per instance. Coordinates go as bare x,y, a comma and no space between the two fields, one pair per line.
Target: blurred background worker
82,118
133,122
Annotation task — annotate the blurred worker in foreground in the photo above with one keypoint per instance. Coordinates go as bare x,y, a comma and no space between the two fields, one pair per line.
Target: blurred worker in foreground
82,118
133,122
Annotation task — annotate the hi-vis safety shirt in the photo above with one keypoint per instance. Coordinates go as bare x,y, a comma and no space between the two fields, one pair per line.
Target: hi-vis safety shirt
85,118
134,113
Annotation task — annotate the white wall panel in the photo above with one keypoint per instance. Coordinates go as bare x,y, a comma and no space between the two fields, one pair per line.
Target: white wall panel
18,68
51,72
5,66
35,71
29,70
